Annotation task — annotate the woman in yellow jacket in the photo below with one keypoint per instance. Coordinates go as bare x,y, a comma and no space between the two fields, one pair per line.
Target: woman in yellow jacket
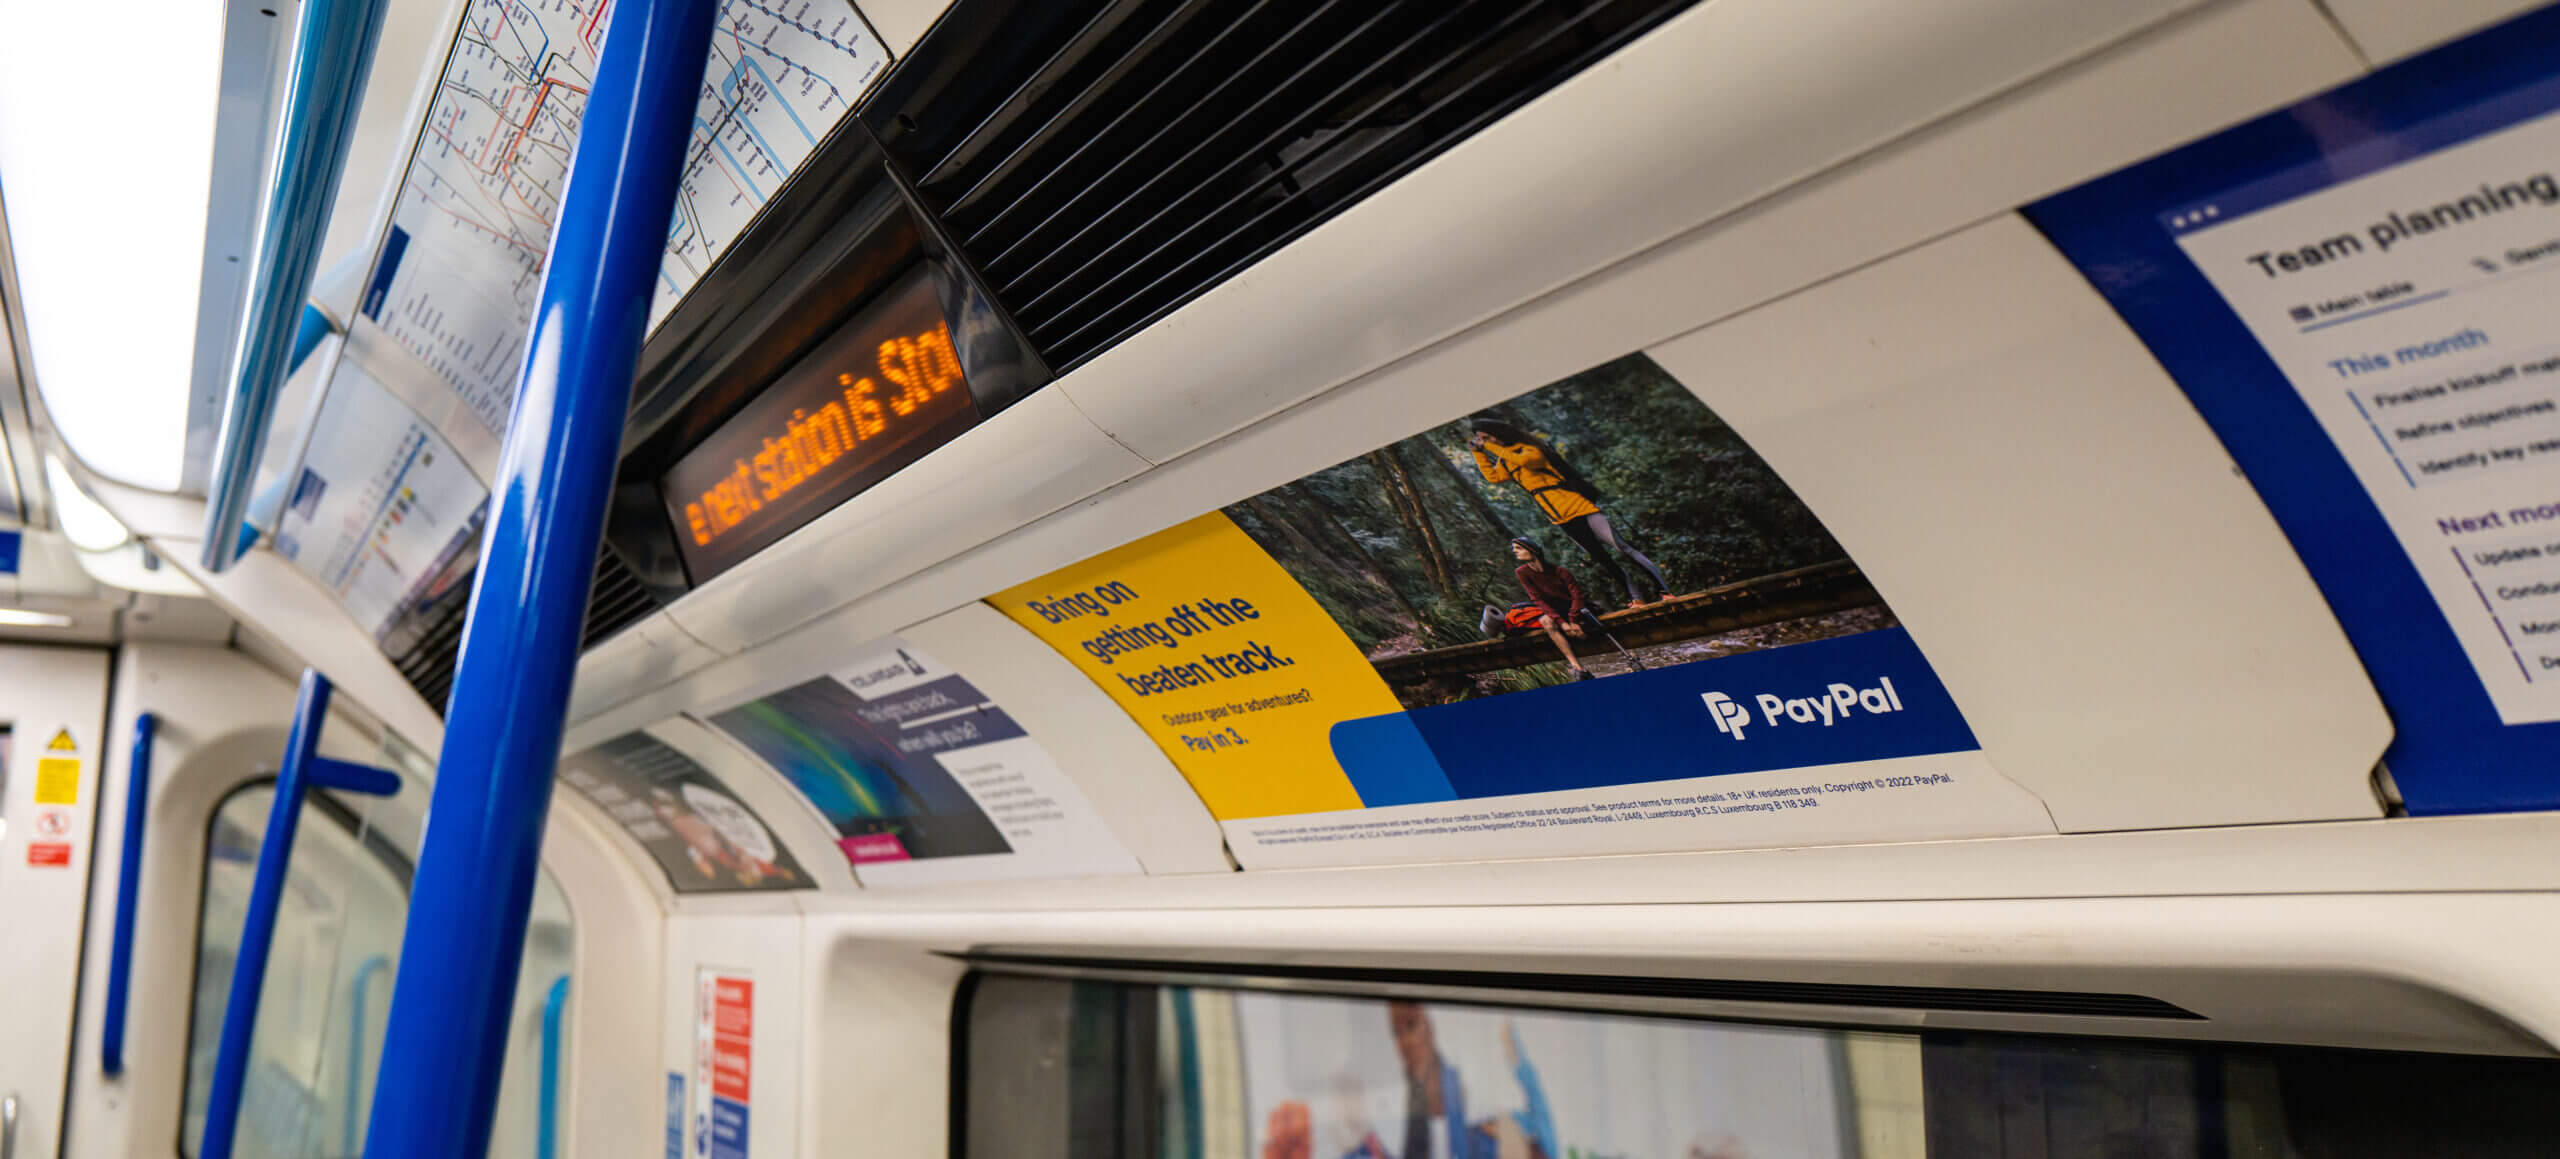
1507,453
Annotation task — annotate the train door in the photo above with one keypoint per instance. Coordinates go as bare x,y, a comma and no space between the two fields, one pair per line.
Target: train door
52,710
317,1045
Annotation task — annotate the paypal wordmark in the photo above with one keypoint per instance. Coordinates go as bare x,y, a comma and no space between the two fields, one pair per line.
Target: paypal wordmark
1838,702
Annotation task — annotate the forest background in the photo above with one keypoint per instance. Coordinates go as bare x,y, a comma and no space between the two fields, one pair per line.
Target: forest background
1404,545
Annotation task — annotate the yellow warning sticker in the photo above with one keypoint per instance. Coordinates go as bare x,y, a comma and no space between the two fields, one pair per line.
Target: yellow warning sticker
57,781
61,742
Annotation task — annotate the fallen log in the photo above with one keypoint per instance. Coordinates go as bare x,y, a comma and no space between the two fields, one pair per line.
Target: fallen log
1821,588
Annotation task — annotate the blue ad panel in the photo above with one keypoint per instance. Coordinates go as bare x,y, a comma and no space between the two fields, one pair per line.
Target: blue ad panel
2354,294
1864,697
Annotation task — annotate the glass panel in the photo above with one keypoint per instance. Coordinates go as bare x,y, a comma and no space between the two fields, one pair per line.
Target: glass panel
1065,1070
341,909
318,1043
547,946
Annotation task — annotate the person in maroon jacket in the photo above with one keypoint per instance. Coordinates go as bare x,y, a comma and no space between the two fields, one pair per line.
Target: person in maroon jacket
1558,601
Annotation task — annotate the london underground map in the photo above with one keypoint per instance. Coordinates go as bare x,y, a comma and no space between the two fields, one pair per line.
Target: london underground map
455,280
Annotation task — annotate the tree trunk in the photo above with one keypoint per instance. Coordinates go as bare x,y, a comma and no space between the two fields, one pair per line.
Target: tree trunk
1471,486
1398,488
1406,478
1316,556
1377,573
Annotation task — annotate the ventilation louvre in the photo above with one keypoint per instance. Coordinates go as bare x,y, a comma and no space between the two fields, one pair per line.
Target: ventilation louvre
619,600
1146,150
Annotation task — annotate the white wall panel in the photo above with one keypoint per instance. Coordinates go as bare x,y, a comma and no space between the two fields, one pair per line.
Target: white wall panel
643,657
767,948
901,23
45,691
611,1093
2112,607
295,611
2408,971
2388,30
879,1043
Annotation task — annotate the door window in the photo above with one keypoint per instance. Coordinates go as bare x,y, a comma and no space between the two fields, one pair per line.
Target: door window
318,1042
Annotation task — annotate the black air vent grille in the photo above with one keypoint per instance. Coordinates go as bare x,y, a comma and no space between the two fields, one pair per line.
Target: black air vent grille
428,664
1152,149
619,601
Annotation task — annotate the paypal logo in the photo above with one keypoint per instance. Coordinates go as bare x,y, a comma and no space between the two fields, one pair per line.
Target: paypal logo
1836,703
1730,717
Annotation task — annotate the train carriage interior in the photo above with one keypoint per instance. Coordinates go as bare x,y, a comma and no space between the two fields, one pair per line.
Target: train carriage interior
1233,579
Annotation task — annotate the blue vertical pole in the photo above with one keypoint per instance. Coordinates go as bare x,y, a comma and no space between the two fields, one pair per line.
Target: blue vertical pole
438,1088
258,929
137,804
555,1016
358,1003
333,47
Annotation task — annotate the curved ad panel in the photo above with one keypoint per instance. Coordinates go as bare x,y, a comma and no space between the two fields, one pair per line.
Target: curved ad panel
2357,294
382,510
691,823
924,778
1585,620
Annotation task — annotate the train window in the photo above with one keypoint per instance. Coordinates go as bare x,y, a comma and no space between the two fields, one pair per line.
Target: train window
1060,1069
318,1039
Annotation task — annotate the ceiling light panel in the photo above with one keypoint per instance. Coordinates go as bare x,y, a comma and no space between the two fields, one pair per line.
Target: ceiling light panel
106,151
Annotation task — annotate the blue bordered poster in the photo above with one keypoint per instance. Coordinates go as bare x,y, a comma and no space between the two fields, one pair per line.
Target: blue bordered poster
2361,294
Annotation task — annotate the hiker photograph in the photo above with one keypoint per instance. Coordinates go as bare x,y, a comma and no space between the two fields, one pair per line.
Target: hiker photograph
1599,525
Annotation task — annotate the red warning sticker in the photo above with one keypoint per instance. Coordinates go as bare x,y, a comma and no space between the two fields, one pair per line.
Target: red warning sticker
49,853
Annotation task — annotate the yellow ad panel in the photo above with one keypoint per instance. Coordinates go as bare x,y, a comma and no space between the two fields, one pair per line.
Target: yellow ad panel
58,781
1220,656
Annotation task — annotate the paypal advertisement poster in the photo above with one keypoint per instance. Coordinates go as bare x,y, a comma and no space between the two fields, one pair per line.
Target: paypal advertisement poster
1588,619
2362,295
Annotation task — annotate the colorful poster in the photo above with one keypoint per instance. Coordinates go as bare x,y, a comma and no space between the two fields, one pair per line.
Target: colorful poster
1562,624
924,778
382,504
723,1056
2357,294
1355,1077
691,824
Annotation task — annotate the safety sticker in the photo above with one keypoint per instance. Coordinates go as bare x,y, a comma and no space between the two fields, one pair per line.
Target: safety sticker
58,781
55,853
61,742
53,823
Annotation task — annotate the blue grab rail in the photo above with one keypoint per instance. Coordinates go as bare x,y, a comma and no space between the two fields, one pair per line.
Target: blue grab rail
137,803
555,1011
357,1004
332,54
316,327
438,1092
303,768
